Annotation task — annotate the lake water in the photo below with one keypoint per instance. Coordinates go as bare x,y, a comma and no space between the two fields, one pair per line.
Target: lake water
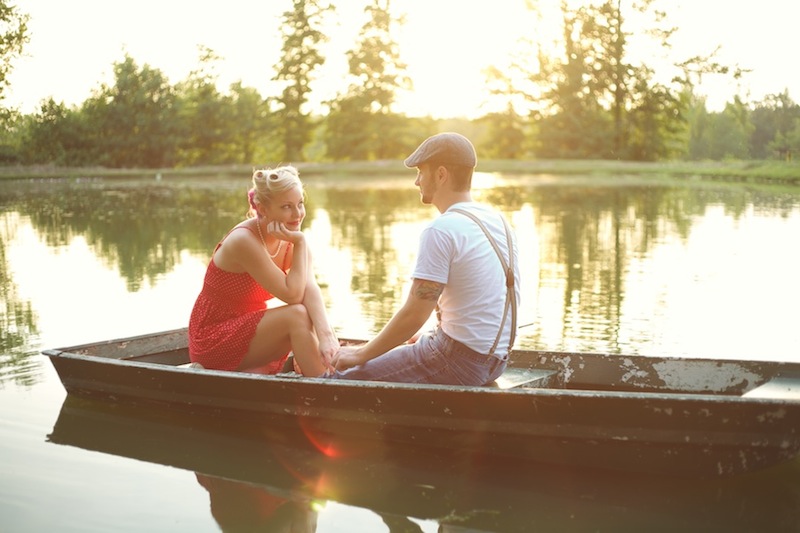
615,266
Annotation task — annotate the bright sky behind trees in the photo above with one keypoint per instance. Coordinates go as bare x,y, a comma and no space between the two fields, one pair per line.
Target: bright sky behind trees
445,43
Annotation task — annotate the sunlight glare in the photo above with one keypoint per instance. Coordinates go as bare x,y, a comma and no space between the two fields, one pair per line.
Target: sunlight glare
40,271
446,59
485,180
446,45
331,265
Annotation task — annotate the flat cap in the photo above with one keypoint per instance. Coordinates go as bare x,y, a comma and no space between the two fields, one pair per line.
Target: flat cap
445,148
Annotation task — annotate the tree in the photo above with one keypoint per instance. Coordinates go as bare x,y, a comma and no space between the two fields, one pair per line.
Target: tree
201,112
574,124
57,135
345,136
361,124
300,57
730,132
13,37
596,101
505,129
505,137
654,121
249,124
793,141
773,119
133,121
697,140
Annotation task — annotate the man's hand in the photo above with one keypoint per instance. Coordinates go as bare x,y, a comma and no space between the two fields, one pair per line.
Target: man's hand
348,357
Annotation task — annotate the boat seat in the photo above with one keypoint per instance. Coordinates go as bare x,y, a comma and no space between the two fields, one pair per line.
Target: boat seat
523,377
779,388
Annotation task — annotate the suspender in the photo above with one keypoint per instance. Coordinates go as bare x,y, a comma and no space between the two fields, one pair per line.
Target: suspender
508,268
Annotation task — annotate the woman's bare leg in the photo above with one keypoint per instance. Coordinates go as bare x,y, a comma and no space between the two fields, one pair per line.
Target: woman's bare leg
282,329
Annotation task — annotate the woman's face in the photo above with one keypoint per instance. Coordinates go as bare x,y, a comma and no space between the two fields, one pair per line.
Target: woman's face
288,208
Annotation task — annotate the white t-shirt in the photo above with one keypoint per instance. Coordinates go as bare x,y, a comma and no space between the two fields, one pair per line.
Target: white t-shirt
454,250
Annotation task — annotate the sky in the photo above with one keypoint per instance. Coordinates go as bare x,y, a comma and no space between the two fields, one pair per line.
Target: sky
446,44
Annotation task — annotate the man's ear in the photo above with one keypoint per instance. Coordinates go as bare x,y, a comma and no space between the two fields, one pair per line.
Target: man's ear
442,175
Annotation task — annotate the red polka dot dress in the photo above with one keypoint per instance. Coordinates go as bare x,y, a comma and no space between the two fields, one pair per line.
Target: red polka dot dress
224,318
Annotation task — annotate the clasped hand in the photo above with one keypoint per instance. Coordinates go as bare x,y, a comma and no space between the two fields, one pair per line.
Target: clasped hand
347,357
280,231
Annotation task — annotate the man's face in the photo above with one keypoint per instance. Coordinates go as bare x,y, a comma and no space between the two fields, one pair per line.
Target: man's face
427,183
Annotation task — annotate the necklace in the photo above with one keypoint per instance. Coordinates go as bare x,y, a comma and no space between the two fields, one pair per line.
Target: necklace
280,242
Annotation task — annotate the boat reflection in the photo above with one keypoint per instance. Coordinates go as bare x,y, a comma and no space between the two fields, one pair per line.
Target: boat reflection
238,506
266,473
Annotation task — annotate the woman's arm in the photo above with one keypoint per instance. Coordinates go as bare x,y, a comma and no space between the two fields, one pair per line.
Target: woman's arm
243,252
328,342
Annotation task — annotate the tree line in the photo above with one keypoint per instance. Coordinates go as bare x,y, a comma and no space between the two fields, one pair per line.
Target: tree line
589,100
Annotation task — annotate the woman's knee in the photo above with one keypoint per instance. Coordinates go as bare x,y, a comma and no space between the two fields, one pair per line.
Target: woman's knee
298,315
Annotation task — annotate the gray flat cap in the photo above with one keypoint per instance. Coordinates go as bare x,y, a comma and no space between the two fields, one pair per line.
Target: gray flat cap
445,148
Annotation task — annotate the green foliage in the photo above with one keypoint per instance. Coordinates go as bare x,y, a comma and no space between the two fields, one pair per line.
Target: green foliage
589,102
202,115
774,119
361,124
742,131
300,56
505,136
248,125
655,123
793,141
57,135
13,37
346,137
142,121
729,133
133,122
600,105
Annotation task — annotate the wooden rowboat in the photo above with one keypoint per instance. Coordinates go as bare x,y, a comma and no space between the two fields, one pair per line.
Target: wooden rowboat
675,416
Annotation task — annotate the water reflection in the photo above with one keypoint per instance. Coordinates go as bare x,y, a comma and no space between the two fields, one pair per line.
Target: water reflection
238,506
17,318
137,228
370,223
255,469
607,266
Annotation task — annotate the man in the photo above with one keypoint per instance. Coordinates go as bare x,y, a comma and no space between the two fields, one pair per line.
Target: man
463,271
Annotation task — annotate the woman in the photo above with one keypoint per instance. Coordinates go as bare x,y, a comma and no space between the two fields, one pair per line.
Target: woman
262,257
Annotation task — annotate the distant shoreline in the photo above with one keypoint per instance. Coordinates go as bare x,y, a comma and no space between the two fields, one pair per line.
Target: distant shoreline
763,171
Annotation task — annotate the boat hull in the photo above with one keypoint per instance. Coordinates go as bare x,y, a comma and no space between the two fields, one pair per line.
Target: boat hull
689,433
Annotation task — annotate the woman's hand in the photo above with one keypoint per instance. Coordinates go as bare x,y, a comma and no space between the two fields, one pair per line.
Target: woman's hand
328,348
280,231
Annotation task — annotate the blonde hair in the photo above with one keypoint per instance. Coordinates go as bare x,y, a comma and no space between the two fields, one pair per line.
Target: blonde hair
269,182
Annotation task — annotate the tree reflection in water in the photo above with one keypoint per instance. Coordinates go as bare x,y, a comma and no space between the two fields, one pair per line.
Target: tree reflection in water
582,241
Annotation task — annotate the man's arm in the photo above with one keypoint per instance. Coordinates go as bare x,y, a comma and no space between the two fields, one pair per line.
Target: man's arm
419,305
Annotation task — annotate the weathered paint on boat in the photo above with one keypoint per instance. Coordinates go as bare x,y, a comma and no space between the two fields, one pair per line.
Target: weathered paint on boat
634,413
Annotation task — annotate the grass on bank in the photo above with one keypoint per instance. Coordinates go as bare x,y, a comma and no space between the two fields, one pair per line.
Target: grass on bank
762,171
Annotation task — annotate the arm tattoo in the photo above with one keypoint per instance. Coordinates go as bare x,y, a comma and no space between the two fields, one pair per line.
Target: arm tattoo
427,290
